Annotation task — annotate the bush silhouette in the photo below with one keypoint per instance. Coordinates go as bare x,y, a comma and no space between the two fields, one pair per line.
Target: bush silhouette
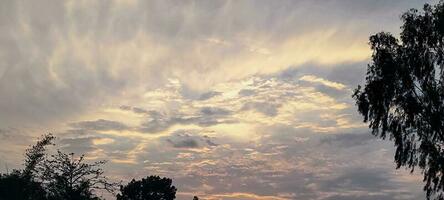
16,186
149,188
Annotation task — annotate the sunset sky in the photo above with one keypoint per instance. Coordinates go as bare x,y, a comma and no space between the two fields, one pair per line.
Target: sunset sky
232,100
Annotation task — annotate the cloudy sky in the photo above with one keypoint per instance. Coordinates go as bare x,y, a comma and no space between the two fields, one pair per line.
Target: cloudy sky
232,99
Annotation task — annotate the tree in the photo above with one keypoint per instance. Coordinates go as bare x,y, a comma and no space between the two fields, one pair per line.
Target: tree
149,188
60,176
403,97
35,155
15,186
68,177
24,184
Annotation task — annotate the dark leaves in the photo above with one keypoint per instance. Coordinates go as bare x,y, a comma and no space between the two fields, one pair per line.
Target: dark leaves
54,177
151,187
403,97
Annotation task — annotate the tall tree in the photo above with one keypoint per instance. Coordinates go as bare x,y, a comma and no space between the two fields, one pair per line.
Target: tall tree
68,177
403,97
25,184
59,176
35,155
149,188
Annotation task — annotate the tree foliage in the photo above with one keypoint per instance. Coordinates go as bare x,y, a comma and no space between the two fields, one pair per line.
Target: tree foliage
68,177
55,177
16,186
149,188
35,155
25,184
65,176
403,97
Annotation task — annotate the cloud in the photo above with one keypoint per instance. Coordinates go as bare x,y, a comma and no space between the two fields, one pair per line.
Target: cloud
212,111
136,110
233,99
208,141
369,180
331,84
83,145
189,139
262,107
185,143
99,125
208,95
205,116
240,195
127,47
348,140
246,92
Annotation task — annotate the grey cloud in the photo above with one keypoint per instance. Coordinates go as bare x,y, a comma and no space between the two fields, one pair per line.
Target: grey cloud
6,133
34,89
361,197
158,122
361,179
350,74
81,145
257,16
189,139
348,140
100,125
118,148
208,141
185,143
206,116
209,95
15,136
125,107
140,110
377,183
337,94
30,92
246,92
309,170
136,110
283,133
265,108
189,93
213,111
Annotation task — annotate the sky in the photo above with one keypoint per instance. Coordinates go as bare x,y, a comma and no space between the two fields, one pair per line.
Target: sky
232,100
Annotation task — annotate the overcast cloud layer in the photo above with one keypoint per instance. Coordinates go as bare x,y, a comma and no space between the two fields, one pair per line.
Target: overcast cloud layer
231,99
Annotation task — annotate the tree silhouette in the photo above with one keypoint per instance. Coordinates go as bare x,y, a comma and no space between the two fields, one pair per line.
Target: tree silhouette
403,98
25,184
15,186
35,155
60,176
149,188
68,177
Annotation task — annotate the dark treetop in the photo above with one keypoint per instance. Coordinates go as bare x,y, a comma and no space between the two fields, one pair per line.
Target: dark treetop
403,97
149,188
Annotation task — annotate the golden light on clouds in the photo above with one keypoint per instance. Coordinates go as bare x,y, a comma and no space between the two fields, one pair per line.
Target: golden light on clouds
231,99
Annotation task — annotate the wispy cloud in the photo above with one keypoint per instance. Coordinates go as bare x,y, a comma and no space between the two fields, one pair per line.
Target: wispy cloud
232,99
